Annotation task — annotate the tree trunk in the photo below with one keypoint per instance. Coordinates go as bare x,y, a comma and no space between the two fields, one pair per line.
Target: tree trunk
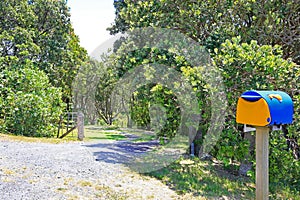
197,143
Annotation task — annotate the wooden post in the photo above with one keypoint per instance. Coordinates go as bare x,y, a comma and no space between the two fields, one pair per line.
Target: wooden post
68,115
59,125
80,125
262,163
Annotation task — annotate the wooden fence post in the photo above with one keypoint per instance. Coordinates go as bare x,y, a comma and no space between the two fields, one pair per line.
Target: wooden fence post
80,125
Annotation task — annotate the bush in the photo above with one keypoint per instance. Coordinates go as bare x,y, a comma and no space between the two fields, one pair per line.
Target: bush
165,116
251,66
284,168
30,106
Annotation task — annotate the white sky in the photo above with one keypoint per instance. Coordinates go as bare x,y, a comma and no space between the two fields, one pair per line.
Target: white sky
90,18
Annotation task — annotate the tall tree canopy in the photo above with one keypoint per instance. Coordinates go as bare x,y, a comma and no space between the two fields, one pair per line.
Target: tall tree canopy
211,22
39,57
40,31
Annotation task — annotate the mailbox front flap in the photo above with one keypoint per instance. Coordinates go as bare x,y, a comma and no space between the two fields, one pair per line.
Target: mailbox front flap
252,109
280,105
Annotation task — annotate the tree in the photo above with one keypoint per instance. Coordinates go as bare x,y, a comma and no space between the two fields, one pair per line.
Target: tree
37,42
41,31
104,101
120,24
211,22
265,36
84,88
93,90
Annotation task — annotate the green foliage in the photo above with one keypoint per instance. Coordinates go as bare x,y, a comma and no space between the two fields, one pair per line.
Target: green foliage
100,89
39,53
106,83
164,97
211,22
231,147
267,32
41,31
149,98
30,106
244,66
139,109
285,169
145,97
251,66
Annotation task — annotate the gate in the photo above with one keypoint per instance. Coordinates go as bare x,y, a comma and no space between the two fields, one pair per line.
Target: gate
70,121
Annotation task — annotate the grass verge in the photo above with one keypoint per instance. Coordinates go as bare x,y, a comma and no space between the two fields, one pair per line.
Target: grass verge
208,180
91,133
21,138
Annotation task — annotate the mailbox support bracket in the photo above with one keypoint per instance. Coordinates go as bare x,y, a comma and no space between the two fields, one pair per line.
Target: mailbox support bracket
248,128
276,128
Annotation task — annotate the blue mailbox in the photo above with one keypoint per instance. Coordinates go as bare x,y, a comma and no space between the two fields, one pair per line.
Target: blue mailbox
264,108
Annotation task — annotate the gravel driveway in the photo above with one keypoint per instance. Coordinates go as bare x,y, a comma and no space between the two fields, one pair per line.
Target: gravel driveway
73,171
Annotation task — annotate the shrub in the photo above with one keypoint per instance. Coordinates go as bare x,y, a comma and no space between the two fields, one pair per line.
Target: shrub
30,106
251,66
284,168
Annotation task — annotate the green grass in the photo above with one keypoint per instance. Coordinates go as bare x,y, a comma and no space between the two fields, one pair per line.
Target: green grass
205,179
143,136
112,127
98,133
280,191
113,133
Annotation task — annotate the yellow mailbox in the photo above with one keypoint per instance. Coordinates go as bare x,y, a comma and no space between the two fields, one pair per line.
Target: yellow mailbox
264,108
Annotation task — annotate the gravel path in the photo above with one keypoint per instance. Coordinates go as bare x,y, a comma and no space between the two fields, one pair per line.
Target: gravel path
73,171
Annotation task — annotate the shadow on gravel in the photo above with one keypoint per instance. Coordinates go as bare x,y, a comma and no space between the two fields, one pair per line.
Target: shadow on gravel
122,152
